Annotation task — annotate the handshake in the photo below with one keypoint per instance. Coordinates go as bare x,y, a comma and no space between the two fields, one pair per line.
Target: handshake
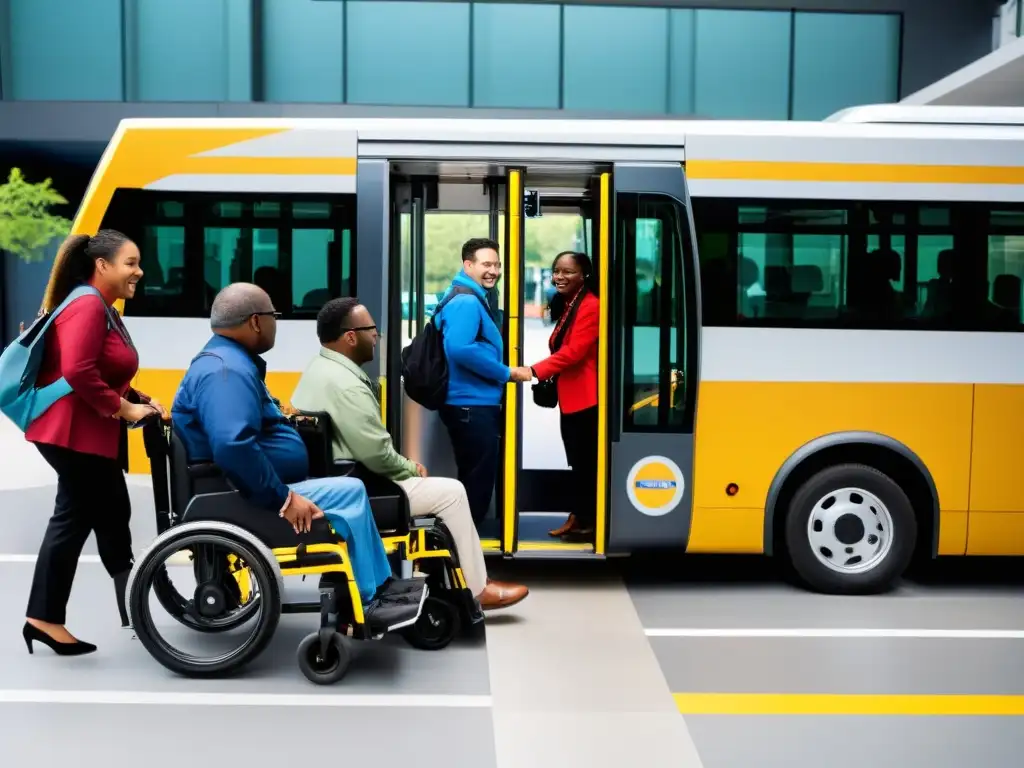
522,373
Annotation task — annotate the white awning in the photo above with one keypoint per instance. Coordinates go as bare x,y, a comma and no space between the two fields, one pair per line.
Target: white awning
995,80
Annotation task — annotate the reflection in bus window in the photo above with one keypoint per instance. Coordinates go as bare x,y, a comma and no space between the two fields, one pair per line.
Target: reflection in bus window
296,247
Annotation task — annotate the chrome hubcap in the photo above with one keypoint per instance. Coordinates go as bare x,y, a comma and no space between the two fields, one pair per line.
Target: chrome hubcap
850,530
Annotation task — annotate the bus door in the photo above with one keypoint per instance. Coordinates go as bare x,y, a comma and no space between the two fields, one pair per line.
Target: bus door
651,374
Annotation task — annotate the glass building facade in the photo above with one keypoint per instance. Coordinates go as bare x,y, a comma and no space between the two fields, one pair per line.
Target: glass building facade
629,60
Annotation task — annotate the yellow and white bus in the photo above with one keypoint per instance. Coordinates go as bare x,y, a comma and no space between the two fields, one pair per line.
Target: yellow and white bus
811,337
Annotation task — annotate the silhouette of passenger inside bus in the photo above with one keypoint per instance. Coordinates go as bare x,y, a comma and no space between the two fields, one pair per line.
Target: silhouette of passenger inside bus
970,306
274,283
871,299
939,295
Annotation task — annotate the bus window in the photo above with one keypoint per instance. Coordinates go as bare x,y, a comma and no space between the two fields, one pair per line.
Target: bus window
651,243
856,264
298,248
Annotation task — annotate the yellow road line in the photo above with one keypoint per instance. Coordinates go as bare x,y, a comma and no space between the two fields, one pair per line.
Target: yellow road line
847,704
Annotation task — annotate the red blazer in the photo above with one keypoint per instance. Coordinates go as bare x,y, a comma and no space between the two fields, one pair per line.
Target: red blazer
575,363
99,366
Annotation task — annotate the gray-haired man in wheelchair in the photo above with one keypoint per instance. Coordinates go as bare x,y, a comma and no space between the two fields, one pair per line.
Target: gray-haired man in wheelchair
224,413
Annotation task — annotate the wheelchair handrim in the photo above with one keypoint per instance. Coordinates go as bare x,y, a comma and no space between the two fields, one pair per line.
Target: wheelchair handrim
156,559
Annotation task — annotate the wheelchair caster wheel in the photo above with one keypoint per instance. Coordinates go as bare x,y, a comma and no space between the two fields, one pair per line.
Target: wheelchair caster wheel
323,669
436,628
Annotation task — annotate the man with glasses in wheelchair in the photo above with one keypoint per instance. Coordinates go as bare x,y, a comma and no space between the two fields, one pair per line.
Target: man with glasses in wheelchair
224,413
335,383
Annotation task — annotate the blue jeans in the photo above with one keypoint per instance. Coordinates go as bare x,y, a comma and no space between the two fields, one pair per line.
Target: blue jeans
475,432
347,508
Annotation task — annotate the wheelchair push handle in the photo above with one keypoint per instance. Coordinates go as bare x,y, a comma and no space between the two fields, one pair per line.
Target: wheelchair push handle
153,417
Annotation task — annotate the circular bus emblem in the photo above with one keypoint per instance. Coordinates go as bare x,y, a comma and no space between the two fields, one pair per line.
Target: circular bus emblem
655,485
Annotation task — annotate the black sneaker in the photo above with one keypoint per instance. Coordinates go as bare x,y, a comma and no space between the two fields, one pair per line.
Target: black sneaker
394,586
389,615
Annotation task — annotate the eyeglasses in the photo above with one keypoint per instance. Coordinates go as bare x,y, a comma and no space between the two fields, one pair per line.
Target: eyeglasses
276,315
360,328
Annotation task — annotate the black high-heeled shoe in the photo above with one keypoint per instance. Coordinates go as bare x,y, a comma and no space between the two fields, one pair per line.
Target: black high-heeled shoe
77,648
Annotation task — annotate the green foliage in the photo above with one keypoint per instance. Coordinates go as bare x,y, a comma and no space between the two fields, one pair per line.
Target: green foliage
446,232
26,224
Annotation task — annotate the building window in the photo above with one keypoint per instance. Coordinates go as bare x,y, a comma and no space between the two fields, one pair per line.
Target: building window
836,264
843,59
516,55
742,64
410,53
190,50
303,56
615,59
53,56
299,248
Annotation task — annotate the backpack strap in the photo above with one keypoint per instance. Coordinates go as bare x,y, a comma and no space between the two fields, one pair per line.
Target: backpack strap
461,290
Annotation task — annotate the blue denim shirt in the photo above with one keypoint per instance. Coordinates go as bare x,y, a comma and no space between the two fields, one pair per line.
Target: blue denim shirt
224,413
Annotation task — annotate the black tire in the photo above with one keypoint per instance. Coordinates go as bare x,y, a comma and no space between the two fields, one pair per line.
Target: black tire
890,565
147,573
323,670
436,627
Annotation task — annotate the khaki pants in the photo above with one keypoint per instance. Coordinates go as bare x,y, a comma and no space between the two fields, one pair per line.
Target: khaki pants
446,498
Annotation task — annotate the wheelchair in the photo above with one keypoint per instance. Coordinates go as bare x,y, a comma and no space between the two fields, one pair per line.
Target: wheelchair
239,556
416,545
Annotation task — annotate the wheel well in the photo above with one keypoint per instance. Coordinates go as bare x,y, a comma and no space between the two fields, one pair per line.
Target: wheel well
901,469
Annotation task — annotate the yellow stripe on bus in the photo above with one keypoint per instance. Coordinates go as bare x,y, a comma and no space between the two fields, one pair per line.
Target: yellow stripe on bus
771,170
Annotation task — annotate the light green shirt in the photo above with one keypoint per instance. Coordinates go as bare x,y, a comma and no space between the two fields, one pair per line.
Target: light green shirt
336,385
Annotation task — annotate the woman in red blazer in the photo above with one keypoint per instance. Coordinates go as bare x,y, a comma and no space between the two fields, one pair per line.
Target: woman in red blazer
81,435
574,311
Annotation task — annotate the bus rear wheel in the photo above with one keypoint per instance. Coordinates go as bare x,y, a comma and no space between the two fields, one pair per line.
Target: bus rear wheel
850,529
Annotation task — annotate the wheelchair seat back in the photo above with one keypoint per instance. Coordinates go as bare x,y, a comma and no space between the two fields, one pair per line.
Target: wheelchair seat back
188,480
387,500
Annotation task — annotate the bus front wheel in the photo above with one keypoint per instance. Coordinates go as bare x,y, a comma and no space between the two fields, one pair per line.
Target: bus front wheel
850,529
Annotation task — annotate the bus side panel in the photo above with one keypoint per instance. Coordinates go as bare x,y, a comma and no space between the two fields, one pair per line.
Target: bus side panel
997,496
747,429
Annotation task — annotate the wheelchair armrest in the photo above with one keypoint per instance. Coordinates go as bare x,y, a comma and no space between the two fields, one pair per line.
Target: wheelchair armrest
343,467
274,531
204,470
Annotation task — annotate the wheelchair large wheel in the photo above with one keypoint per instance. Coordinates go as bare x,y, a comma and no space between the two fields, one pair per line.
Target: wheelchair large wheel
323,668
436,627
182,609
150,570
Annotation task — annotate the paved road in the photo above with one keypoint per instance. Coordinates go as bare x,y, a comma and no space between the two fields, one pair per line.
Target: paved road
712,663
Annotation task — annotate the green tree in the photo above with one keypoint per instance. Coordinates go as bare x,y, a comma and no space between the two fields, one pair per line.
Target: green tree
27,224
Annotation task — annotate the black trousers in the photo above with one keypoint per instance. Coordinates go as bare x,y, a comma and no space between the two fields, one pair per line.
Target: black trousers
475,433
91,496
579,435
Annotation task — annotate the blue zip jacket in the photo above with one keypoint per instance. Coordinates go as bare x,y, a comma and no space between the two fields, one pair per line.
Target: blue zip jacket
474,348
224,413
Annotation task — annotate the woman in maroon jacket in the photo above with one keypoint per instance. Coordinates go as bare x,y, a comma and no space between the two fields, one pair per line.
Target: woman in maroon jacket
573,343
80,435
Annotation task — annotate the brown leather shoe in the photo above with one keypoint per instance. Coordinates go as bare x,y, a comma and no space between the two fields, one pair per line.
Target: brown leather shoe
563,529
500,595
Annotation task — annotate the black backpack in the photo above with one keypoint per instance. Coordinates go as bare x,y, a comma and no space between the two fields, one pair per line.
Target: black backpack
424,364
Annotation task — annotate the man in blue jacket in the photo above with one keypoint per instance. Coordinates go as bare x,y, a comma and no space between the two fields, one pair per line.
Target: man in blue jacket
224,413
477,374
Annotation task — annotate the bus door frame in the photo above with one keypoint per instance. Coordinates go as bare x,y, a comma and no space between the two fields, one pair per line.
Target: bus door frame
513,276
